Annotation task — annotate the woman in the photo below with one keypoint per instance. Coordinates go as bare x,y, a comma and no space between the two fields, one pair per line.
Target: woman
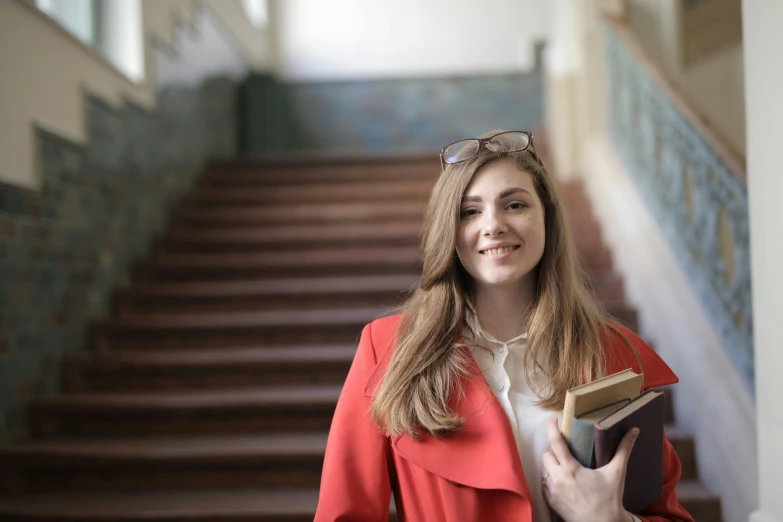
453,404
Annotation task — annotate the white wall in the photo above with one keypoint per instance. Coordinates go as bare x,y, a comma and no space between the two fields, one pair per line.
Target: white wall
360,39
713,85
762,22
203,50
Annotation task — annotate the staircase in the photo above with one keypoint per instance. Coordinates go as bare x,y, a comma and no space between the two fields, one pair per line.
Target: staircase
208,394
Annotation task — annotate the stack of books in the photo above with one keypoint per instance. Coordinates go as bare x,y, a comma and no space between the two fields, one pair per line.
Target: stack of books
597,415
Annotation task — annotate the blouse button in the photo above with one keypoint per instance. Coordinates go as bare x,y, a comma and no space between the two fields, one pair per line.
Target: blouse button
502,349
501,387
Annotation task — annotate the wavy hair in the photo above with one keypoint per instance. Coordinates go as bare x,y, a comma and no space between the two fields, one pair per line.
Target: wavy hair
427,365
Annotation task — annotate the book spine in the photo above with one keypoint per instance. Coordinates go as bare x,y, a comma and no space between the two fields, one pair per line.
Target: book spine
582,442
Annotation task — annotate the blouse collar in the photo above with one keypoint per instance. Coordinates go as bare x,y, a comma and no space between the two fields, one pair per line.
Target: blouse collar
474,324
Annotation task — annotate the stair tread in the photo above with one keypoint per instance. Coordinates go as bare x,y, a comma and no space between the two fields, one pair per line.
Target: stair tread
249,319
165,504
329,191
168,448
351,210
693,490
227,356
315,256
222,398
303,285
204,503
299,233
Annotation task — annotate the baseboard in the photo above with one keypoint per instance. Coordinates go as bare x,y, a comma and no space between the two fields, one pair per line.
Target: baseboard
711,400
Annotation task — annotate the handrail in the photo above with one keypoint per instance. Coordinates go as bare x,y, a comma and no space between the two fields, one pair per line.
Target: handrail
731,158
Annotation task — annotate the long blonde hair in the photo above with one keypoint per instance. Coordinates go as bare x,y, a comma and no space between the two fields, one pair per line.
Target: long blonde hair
564,325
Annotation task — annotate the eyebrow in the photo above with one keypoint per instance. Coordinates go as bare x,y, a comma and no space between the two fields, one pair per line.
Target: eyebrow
503,194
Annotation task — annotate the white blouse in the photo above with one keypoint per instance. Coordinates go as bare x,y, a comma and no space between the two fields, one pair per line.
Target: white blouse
503,368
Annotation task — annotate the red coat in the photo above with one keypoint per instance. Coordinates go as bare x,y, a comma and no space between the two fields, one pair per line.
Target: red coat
473,474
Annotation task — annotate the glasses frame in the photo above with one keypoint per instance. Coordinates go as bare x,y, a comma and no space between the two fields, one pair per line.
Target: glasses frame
482,143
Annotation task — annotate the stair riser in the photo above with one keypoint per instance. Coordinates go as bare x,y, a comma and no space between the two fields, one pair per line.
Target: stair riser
215,198
266,176
95,422
114,379
126,304
160,272
286,247
123,475
209,338
173,304
684,447
706,510
252,215
163,517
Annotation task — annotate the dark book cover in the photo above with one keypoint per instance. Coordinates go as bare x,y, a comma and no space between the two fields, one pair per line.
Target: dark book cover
644,477
582,440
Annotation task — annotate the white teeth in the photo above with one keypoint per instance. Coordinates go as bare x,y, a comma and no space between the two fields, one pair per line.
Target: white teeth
496,251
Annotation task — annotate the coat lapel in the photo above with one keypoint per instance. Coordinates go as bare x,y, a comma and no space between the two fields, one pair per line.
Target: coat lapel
481,454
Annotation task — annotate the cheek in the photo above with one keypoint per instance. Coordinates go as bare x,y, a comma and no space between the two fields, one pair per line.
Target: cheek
465,239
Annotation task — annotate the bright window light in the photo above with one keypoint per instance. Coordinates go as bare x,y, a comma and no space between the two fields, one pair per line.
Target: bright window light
257,12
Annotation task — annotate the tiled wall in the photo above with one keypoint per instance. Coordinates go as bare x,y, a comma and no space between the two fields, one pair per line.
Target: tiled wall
386,116
63,249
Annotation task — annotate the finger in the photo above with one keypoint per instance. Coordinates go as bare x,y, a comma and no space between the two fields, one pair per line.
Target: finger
550,463
623,453
559,446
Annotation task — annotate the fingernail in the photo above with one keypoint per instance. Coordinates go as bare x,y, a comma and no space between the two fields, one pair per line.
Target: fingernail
635,432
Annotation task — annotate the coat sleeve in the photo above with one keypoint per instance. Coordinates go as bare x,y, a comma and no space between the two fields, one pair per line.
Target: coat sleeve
355,483
666,507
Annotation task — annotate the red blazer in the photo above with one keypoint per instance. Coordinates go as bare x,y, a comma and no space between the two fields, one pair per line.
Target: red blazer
473,474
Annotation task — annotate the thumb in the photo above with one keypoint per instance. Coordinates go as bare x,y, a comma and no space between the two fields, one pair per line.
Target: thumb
623,453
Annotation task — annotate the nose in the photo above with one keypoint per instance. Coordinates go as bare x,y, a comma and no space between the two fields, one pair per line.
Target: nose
494,224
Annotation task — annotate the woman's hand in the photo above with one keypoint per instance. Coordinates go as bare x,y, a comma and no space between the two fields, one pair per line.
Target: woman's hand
582,494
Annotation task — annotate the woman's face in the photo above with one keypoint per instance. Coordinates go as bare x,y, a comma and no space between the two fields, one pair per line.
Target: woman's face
501,210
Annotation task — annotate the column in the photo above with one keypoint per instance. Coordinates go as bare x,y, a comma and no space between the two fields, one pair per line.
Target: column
761,27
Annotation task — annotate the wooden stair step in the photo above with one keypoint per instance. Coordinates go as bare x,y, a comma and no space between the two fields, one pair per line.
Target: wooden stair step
316,262
702,505
242,410
297,213
683,444
279,460
608,286
402,190
623,313
219,367
252,505
252,171
268,327
270,293
293,238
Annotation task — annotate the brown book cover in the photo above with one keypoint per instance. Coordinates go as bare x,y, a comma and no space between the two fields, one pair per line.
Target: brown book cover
644,477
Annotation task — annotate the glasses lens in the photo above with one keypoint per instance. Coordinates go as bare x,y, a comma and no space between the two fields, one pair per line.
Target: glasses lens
511,141
460,151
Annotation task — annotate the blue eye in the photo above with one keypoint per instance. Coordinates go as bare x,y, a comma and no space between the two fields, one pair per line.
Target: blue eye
468,212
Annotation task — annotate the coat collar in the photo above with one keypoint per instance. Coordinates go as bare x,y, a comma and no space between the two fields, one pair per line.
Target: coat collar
482,453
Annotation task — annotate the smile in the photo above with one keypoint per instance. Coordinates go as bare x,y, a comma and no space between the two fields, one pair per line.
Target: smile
497,251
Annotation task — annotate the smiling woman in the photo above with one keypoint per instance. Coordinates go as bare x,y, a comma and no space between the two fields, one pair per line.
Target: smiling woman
464,386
